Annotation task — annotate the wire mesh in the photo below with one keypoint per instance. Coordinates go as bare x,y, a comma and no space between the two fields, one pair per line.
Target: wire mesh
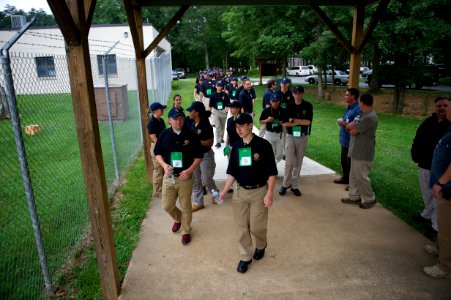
42,88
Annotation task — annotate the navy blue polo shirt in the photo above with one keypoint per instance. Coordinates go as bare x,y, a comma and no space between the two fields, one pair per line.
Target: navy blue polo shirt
203,131
278,114
263,162
219,97
441,159
185,142
231,131
245,98
233,92
266,100
252,91
301,111
285,98
208,88
155,126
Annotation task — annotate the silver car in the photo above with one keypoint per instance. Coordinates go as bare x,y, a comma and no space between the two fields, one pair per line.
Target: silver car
340,78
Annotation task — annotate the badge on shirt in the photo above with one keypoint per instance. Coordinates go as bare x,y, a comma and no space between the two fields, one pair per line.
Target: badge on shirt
283,105
245,157
219,105
233,93
296,131
176,160
275,123
208,92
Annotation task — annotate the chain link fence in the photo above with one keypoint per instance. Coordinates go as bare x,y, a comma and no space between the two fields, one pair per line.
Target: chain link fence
44,103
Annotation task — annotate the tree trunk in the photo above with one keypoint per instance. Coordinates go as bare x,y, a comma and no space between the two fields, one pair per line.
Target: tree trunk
401,63
398,98
207,63
320,85
375,75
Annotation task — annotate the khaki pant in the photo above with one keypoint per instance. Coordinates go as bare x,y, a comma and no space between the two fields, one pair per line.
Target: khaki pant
251,218
219,119
295,149
182,190
158,173
430,210
276,141
444,234
359,181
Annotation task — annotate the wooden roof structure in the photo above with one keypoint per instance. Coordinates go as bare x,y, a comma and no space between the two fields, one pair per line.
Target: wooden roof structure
74,17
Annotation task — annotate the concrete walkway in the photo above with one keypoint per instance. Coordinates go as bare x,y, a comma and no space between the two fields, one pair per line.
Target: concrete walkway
318,248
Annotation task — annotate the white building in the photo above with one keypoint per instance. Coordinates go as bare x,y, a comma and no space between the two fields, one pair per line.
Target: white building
39,65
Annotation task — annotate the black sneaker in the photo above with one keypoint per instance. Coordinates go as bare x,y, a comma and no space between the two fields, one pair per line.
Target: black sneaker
368,204
283,190
296,192
222,141
349,201
218,145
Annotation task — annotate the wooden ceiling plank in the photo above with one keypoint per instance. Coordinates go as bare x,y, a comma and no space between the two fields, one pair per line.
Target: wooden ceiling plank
65,21
178,15
328,22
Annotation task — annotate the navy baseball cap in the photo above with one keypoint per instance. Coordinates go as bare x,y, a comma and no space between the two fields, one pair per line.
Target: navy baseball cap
286,80
236,104
234,79
244,118
157,105
174,113
197,106
298,89
219,82
274,97
244,77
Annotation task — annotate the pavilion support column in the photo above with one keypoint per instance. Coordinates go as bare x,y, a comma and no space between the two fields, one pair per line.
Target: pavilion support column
83,100
356,54
143,106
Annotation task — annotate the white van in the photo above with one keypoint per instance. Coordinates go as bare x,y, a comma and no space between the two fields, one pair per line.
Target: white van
298,71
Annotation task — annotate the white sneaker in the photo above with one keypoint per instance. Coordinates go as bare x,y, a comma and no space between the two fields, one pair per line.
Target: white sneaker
436,272
431,249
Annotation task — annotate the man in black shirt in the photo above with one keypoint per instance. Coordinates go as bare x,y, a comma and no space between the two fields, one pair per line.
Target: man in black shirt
178,151
155,126
285,94
253,166
218,106
271,119
245,97
298,122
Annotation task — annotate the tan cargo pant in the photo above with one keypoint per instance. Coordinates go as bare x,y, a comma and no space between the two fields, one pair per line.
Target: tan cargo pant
182,190
158,173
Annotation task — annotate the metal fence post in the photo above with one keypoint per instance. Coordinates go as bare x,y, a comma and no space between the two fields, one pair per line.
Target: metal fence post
108,106
20,146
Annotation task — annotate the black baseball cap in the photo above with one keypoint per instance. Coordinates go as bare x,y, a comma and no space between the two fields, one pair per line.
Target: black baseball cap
197,106
298,89
174,113
157,105
236,104
244,118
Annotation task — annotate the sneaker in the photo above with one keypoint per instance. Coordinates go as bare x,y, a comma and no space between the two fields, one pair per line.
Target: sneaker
218,145
431,249
368,204
296,192
186,238
341,181
420,219
197,207
431,233
349,201
243,266
436,272
222,141
283,190
176,226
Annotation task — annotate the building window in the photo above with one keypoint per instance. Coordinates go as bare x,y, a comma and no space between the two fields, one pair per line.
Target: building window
111,65
45,66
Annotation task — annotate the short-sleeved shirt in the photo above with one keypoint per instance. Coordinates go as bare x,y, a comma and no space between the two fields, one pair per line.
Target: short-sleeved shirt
219,97
198,88
252,91
363,145
351,112
186,143
203,131
155,126
285,98
266,100
441,159
245,98
231,131
263,162
207,88
279,117
303,111
233,92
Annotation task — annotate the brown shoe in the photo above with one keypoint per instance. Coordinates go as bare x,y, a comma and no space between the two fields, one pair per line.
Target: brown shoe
186,238
368,204
341,181
349,201
176,226
196,207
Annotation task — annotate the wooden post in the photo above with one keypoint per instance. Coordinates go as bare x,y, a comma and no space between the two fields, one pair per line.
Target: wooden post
83,101
356,54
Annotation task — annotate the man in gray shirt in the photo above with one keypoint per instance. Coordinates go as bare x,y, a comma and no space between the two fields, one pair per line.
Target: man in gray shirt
362,151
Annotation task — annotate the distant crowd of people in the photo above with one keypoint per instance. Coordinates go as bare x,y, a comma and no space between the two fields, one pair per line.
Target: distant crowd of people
184,161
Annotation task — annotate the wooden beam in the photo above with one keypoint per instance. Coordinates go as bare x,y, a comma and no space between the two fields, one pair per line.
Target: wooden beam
135,22
357,35
383,4
83,101
178,15
134,17
65,21
90,6
341,38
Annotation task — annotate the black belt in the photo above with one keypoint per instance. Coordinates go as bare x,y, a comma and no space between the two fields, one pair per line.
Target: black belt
253,187
176,175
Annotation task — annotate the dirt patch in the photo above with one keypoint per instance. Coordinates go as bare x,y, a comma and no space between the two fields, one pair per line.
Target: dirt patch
418,104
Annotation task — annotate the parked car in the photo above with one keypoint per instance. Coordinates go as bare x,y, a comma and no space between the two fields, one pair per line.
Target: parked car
181,73
312,69
365,73
364,69
175,75
415,76
340,78
298,71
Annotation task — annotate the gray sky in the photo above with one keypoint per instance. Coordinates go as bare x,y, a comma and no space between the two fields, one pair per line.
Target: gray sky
26,5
